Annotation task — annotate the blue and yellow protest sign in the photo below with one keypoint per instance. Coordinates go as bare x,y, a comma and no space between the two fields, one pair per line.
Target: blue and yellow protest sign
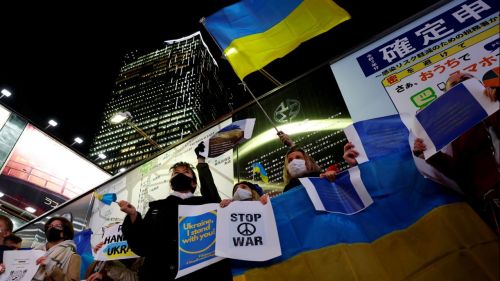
196,237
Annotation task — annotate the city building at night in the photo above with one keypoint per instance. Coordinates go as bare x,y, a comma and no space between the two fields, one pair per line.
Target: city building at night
169,93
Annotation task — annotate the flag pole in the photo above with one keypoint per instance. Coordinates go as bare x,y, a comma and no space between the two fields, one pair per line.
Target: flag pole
270,77
260,105
202,21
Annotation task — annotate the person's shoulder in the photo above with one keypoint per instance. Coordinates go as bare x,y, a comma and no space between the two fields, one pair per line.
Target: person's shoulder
196,200
161,202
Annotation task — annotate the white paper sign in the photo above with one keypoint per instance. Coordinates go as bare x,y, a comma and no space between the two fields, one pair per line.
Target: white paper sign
229,136
115,246
246,230
20,265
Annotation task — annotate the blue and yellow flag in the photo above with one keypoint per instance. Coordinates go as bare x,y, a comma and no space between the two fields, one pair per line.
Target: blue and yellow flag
253,33
415,229
258,168
106,198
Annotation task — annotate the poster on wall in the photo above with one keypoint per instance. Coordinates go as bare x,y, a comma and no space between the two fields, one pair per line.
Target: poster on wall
405,71
150,181
41,173
411,65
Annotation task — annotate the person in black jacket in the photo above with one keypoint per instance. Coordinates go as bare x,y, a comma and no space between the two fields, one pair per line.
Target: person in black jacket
155,236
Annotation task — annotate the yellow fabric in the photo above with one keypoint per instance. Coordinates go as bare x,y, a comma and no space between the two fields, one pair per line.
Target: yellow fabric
311,18
449,243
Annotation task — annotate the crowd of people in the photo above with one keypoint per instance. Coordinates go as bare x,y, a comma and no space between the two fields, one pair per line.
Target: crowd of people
473,163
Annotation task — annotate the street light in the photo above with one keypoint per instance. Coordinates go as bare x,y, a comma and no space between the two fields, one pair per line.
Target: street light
52,123
126,117
30,209
5,93
77,140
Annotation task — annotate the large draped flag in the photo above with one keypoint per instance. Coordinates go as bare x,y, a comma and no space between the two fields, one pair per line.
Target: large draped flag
415,229
252,33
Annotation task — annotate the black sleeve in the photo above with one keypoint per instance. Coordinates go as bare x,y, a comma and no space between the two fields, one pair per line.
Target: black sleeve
132,232
445,164
207,184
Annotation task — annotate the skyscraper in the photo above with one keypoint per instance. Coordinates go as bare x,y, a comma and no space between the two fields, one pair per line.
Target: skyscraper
171,93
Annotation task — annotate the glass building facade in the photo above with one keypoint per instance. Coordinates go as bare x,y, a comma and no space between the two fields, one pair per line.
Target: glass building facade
171,93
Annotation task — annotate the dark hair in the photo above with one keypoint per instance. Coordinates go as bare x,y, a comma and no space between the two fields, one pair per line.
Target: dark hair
68,231
14,238
187,166
8,222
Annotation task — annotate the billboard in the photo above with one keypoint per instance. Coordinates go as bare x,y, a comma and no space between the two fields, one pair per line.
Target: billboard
406,70
41,173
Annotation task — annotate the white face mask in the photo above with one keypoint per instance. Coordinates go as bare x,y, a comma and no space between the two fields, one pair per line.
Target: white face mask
297,167
242,194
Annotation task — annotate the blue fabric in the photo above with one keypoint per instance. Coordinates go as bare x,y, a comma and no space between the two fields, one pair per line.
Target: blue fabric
400,193
247,17
383,136
339,196
84,249
451,115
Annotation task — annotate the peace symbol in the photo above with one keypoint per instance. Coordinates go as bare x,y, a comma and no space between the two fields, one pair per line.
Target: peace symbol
246,229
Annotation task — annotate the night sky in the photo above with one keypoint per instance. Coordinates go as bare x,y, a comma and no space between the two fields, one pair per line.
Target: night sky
61,61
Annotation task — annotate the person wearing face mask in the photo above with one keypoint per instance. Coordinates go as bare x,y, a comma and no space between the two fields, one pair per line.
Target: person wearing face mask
60,262
298,164
246,191
155,235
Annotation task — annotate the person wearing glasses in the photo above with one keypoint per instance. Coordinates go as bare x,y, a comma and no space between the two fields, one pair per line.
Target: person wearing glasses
60,262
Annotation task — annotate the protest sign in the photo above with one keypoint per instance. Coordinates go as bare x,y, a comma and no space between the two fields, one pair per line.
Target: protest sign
346,195
196,237
20,265
452,114
246,230
228,137
115,246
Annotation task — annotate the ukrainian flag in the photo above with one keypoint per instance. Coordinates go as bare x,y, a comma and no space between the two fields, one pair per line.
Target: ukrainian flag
258,168
416,229
107,198
252,33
